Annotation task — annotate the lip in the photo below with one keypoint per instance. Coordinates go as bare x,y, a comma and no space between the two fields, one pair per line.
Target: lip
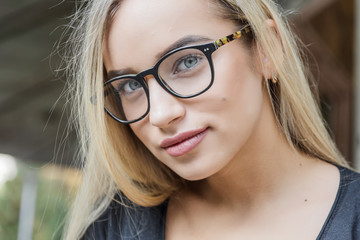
184,142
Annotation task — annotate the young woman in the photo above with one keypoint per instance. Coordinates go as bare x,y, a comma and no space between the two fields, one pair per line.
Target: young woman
189,134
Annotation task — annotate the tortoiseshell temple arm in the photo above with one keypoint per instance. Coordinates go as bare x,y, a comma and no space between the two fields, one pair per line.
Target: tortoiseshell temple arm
236,35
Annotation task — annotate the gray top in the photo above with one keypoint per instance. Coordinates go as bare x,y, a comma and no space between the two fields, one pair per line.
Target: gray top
140,223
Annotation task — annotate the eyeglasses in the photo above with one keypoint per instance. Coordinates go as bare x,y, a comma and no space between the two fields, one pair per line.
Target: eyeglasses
185,72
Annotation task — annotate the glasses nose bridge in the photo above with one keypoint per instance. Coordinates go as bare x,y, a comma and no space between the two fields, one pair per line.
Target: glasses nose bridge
149,72
146,75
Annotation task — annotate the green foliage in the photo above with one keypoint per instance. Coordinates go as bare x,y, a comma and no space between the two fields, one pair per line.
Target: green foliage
51,207
10,196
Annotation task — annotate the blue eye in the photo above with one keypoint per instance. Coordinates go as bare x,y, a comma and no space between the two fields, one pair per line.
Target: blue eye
129,86
133,85
186,63
190,62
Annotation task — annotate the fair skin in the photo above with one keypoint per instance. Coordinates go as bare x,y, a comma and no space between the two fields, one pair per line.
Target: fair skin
246,182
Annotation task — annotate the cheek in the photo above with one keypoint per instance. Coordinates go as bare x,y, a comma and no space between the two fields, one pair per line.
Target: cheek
245,96
245,101
148,135
140,130
238,105
237,89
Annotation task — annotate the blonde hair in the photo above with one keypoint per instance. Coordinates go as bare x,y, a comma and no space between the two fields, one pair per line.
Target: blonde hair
115,160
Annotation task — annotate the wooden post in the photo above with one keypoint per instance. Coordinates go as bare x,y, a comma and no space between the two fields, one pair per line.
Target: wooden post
357,87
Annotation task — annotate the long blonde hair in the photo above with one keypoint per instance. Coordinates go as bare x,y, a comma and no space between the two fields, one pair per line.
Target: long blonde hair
115,160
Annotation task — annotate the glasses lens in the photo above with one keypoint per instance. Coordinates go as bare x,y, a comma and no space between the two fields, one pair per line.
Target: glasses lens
126,99
186,72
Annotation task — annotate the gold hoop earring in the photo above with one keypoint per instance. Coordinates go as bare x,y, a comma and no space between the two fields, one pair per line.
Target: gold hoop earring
274,79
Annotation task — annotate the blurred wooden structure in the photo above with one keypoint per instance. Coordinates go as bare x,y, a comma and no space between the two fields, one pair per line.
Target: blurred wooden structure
327,28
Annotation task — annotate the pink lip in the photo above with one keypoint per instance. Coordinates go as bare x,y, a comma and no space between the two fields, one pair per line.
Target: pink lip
184,142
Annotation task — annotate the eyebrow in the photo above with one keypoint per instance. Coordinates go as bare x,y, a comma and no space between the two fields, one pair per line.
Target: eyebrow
115,73
184,41
187,40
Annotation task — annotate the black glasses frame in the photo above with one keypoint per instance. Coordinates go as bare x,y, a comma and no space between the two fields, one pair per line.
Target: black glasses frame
207,48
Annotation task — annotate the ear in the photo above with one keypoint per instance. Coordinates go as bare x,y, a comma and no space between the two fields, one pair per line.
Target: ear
270,50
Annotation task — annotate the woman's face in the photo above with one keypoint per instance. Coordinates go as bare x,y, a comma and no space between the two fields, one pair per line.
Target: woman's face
200,136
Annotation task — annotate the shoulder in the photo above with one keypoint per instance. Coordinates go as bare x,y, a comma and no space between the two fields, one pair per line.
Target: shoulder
349,189
126,220
344,219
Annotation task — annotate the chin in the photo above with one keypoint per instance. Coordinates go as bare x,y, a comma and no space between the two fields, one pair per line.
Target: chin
193,178
194,175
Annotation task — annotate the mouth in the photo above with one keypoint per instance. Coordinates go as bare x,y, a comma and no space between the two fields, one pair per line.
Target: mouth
183,142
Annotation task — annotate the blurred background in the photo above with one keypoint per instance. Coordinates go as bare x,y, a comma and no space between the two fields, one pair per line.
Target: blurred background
37,177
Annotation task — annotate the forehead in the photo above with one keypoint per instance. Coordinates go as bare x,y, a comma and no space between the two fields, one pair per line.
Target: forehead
143,28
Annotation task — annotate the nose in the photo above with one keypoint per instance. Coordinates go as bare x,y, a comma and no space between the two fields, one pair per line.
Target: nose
165,109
